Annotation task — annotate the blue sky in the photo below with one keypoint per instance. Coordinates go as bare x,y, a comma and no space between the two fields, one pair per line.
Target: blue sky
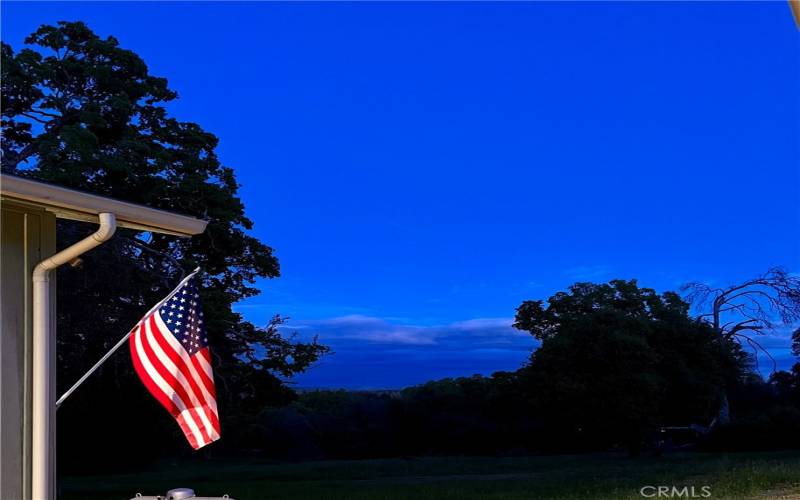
422,168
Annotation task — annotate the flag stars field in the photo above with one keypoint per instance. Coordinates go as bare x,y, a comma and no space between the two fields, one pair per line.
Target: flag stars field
186,326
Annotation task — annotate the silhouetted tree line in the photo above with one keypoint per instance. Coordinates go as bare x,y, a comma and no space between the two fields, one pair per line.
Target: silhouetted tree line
765,414
619,367
497,415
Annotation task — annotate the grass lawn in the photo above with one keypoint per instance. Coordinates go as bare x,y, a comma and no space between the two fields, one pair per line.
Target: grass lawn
596,477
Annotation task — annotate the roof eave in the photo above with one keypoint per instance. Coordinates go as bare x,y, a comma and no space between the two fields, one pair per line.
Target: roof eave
76,205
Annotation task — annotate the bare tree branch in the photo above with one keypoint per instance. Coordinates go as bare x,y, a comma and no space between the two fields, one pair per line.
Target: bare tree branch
751,306
753,342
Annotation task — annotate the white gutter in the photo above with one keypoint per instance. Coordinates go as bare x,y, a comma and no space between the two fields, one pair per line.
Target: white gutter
42,481
77,205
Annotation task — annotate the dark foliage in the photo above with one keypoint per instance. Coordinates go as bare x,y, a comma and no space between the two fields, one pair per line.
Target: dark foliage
82,112
466,416
618,361
495,416
766,414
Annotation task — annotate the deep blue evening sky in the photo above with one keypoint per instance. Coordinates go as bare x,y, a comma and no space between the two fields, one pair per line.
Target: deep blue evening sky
420,169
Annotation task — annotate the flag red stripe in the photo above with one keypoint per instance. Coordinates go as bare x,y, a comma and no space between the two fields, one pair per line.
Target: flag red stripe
191,363
184,370
202,424
187,432
174,384
188,427
148,382
204,360
170,377
207,382
156,391
208,402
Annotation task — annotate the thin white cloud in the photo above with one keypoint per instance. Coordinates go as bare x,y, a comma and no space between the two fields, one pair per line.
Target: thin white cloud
380,331
484,325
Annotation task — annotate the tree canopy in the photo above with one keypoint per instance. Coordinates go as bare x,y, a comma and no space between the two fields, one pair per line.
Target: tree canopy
80,111
618,360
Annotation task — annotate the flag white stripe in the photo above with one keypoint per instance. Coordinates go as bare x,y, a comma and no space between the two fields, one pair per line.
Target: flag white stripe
205,365
165,387
181,352
167,363
183,412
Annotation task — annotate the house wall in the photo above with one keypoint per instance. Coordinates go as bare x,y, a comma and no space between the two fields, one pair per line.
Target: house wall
27,234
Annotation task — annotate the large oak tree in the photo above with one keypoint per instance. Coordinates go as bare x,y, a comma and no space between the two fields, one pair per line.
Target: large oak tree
617,361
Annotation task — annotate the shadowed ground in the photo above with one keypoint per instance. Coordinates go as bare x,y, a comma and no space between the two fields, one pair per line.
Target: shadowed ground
744,475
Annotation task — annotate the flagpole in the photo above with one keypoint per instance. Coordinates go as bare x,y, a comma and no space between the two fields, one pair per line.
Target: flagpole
92,369
121,342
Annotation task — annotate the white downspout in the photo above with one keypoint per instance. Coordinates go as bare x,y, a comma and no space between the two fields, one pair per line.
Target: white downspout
42,487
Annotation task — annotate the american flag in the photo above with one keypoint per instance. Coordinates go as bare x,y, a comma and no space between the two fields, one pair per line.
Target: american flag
170,353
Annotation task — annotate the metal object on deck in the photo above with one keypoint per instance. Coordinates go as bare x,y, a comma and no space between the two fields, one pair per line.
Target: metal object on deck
179,494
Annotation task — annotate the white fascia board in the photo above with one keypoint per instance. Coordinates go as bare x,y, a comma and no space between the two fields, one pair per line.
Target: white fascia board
76,205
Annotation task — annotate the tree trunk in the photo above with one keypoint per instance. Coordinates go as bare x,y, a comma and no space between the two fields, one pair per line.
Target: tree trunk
724,414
